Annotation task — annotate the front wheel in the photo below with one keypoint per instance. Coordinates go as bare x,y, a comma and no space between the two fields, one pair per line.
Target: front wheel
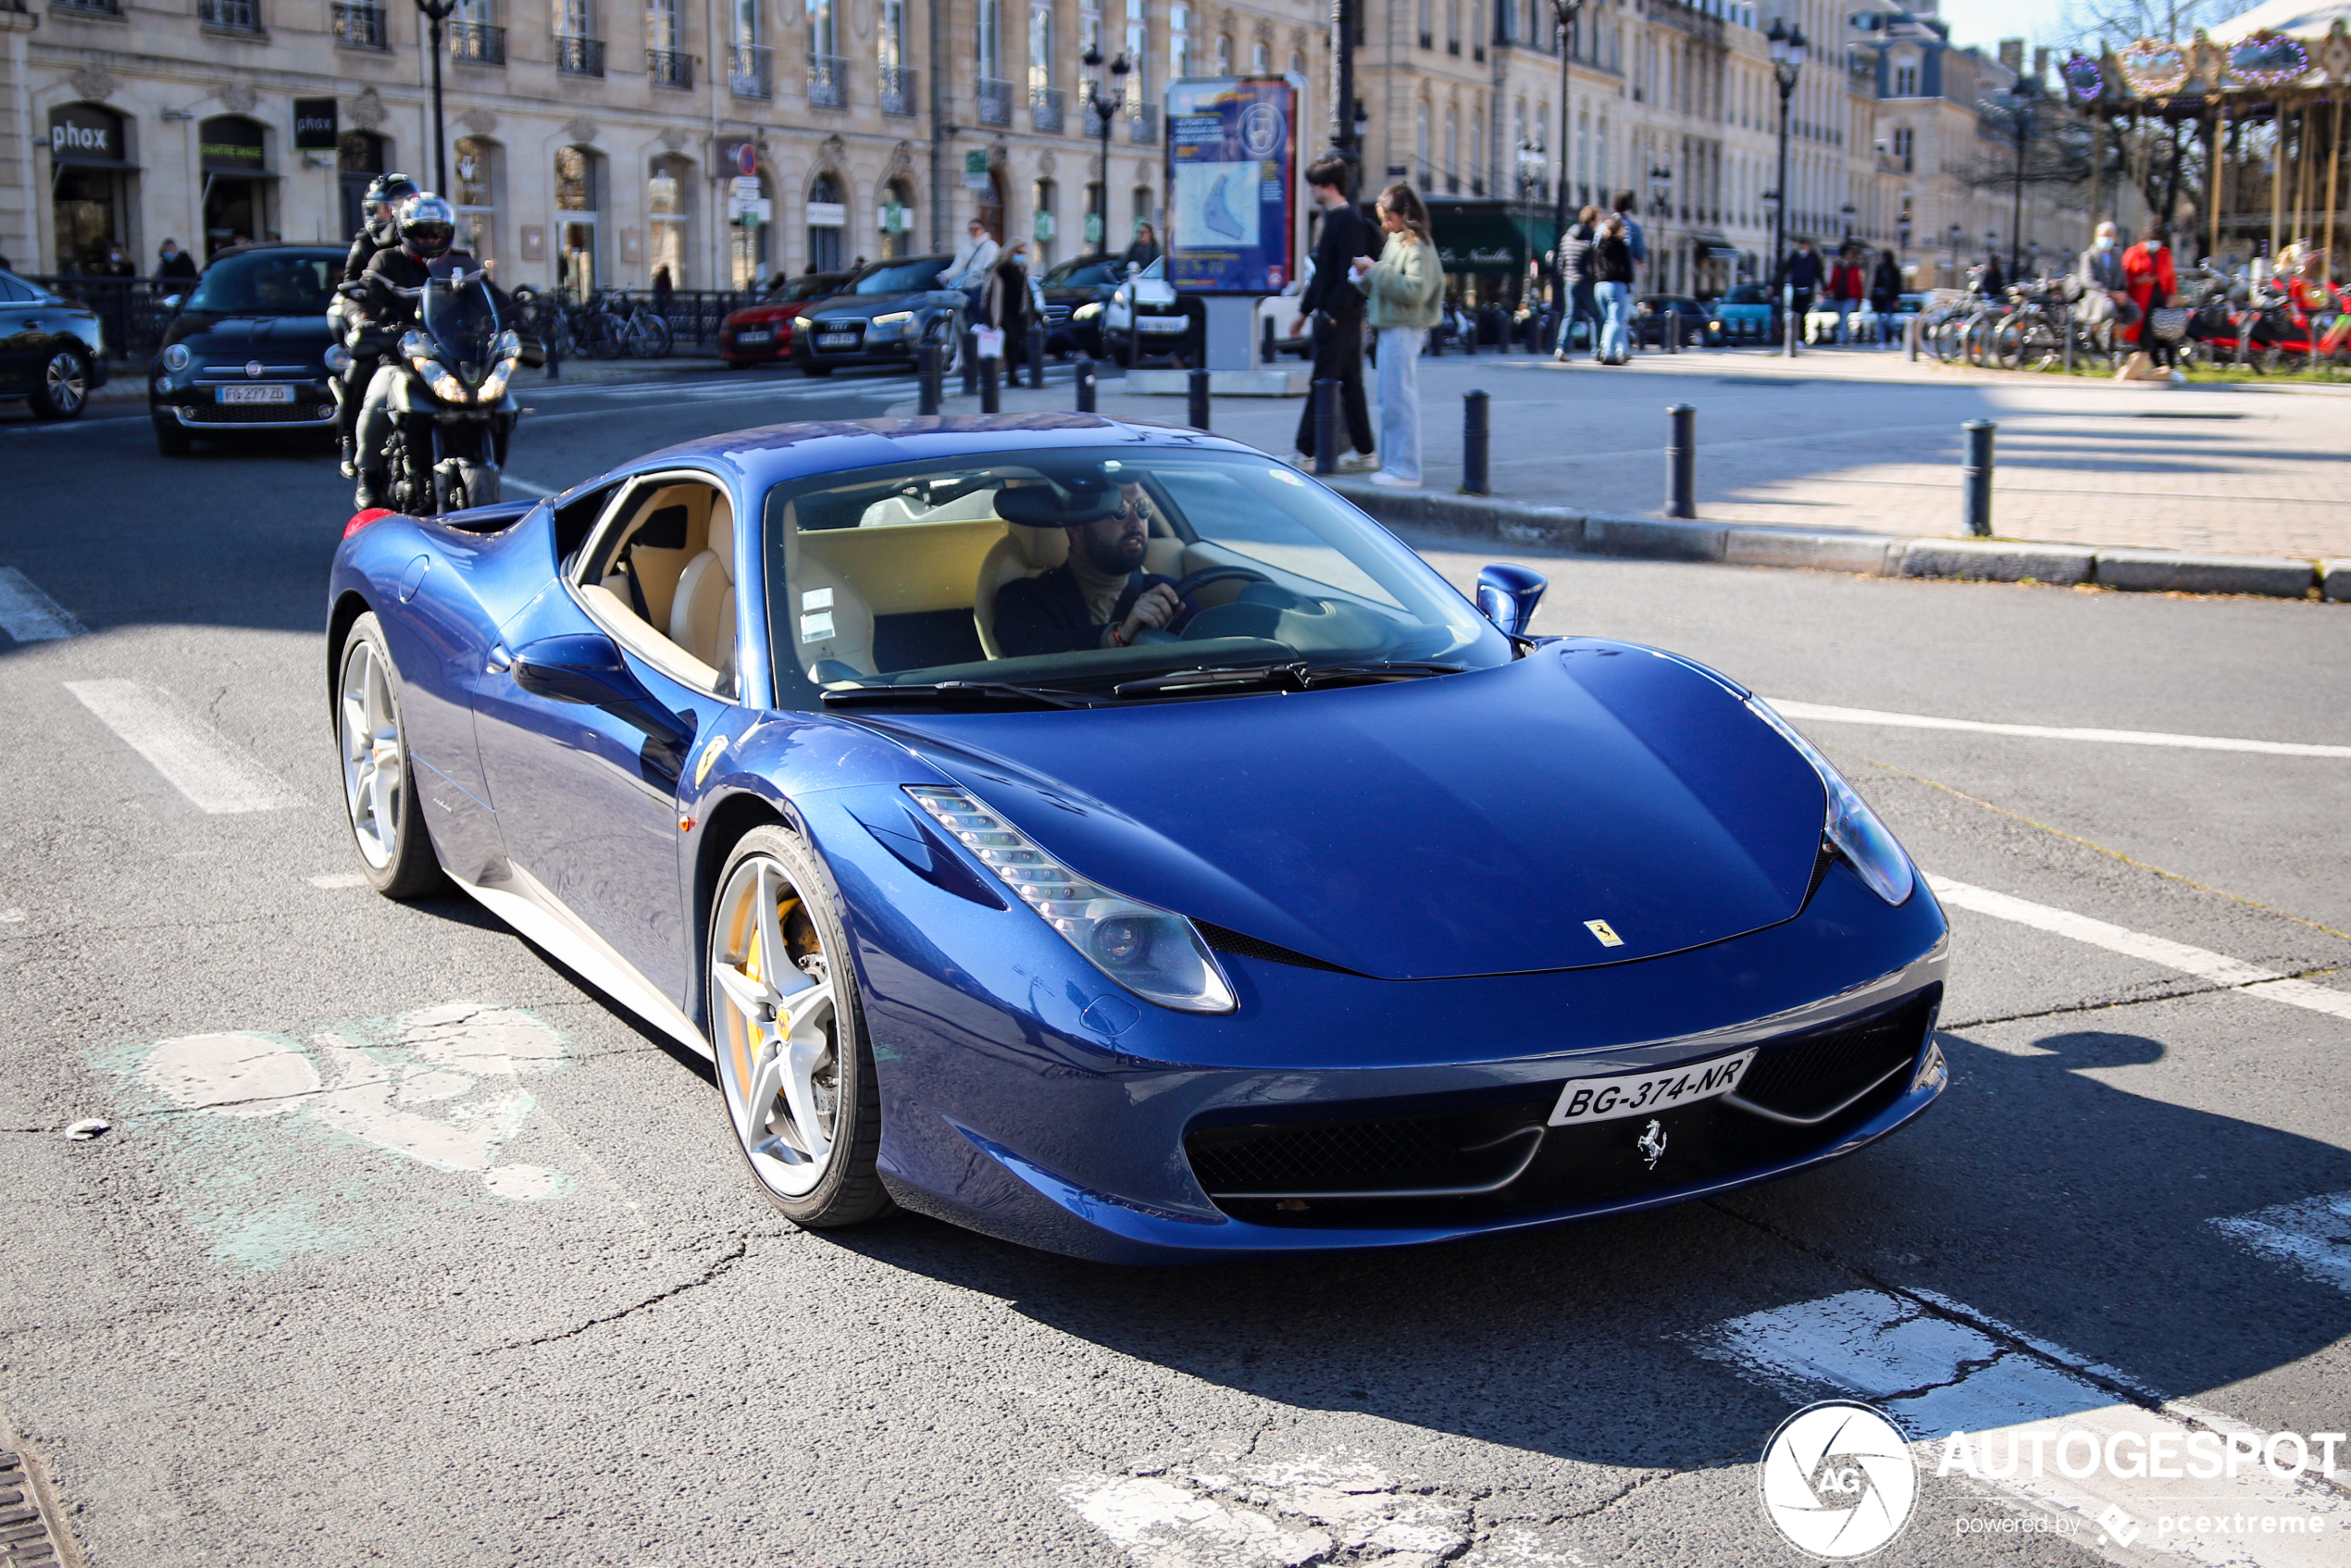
794,1066
817,370
63,391
379,798
462,482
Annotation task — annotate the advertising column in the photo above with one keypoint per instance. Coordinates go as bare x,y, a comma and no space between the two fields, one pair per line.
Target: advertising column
1232,202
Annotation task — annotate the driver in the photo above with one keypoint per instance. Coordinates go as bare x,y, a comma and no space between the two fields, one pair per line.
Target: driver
1101,597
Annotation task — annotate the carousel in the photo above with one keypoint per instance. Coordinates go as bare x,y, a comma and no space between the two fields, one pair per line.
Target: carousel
2263,97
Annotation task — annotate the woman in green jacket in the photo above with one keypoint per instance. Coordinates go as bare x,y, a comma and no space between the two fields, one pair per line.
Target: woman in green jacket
1406,288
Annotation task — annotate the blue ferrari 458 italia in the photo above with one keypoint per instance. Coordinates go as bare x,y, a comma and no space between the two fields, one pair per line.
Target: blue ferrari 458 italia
1105,836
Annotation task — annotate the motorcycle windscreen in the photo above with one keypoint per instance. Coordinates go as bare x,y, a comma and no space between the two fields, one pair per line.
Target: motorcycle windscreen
461,315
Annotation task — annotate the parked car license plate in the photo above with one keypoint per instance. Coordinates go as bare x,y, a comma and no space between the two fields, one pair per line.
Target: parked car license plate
1165,323
253,394
1641,1094
759,337
836,340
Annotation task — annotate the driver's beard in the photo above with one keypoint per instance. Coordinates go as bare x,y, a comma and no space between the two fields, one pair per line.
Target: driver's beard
1100,588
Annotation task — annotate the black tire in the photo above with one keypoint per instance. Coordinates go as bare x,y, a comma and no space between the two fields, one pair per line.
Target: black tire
170,440
62,390
409,867
847,1189
819,371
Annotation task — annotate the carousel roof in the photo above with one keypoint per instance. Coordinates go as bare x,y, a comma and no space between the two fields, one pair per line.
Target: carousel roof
2302,19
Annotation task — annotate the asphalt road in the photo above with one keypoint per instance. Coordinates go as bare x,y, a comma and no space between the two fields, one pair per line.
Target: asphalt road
532,1312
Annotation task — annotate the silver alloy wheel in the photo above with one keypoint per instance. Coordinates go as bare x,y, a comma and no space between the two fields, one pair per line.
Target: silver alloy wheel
64,383
772,998
373,773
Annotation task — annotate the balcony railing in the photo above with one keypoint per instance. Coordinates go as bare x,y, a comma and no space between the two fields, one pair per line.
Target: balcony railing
478,44
359,26
86,7
579,56
827,82
1142,125
1047,109
995,101
667,68
236,16
898,90
750,71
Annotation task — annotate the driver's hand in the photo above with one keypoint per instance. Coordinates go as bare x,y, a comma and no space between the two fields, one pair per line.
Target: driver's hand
1157,606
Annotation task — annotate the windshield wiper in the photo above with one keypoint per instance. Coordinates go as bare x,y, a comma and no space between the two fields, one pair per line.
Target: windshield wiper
954,693
1296,676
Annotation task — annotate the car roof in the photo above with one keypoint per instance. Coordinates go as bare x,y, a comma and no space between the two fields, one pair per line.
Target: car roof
769,454
321,247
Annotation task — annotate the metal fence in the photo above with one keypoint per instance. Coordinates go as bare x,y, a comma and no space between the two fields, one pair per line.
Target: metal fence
130,311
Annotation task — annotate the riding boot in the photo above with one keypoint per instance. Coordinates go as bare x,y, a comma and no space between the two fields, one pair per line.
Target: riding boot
369,493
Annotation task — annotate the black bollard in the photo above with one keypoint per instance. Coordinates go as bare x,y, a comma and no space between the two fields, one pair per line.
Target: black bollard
1469,338
1196,408
1673,330
1266,354
1681,461
991,383
1085,386
927,376
1327,427
1475,444
1975,478
970,361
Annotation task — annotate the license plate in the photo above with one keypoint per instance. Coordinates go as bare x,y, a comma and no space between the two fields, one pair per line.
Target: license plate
1165,323
253,394
836,340
1642,1094
753,337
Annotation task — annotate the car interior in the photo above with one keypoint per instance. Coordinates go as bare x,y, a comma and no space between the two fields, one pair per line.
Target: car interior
662,579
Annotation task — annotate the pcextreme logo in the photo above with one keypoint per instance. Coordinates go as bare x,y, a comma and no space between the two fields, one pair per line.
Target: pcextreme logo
1838,1480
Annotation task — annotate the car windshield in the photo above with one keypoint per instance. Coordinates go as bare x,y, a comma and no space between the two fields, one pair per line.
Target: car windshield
1084,272
961,570
268,283
899,277
1745,293
808,288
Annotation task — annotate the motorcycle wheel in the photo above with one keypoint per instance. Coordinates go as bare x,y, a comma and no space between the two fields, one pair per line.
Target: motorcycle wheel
462,482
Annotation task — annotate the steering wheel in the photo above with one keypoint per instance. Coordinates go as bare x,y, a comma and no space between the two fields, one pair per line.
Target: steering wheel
1207,575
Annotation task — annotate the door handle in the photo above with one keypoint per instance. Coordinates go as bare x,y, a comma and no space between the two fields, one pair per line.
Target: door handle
501,661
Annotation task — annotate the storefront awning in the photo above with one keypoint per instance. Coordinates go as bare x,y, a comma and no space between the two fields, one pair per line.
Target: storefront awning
1488,236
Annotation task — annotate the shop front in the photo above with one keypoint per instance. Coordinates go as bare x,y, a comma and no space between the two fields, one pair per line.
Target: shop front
237,182
91,175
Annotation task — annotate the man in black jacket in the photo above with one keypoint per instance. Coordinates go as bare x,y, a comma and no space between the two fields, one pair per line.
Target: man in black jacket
426,228
1337,306
379,232
1101,597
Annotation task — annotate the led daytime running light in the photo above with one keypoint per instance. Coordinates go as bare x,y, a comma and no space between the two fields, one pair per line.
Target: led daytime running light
1152,952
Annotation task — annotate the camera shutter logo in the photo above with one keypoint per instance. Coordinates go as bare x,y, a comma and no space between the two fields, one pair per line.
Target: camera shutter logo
1838,1480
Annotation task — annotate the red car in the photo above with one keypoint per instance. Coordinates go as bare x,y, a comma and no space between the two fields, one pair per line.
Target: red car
761,334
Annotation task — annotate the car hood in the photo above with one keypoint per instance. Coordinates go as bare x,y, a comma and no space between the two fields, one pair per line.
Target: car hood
756,313
239,334
866,307
1468,825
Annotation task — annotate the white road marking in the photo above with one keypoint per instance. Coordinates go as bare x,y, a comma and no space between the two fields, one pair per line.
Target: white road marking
1301,1510
1935,1377
2230,974
30,615
335,880
2313,1235
11,916
1823,714
197,760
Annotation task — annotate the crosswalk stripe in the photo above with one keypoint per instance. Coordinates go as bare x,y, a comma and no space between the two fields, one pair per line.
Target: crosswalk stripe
30,615
1823,714
2232,974
196,759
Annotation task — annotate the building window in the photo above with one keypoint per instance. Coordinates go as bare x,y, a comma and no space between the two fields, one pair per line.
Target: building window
1452,149
1223,54
1089,35
1452,27
236,185
1905,148
669,183
1906,81
576,207
1179,43
1421,172
1260,58
1044,228
897,218
473,173
1426,25
1040,46
827,218
1138,50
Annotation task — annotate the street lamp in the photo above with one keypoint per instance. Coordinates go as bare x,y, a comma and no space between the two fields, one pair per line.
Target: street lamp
1530,165
1100,106
1785,45
1849,212
2023,97
436,12
1347,123
1662,191
1567,11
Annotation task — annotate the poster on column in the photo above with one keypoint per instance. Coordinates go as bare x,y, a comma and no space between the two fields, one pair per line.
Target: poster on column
1232,184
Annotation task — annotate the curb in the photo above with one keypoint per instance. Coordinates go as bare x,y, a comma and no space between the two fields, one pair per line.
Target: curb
1866,554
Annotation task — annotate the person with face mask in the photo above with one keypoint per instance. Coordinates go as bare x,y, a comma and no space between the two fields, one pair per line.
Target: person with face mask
2148,281
2105,299
174,265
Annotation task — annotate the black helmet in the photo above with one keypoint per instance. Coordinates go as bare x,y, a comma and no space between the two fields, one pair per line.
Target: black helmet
428,226
384,194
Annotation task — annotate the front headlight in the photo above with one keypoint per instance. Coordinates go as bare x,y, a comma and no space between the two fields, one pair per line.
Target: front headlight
444,386
1088,311
893,321
176,359
1852,829
494,386
1149,950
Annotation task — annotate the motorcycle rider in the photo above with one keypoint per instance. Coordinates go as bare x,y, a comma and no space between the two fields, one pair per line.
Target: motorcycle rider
389,288
379,231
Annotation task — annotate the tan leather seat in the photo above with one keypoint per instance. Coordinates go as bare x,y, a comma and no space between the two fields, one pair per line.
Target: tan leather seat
702,616
1023,551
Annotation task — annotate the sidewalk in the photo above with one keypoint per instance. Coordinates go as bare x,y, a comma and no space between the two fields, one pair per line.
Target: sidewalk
1863,440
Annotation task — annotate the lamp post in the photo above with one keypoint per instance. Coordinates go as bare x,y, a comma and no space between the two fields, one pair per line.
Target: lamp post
436,12
1849,212
2023,97
1785,45
1100,106
1347,129
1567,11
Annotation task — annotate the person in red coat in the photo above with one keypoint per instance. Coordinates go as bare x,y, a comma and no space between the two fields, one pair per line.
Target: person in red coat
2149,279
1848,286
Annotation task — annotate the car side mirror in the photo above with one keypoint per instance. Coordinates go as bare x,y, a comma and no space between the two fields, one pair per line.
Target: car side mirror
1507,596
587,668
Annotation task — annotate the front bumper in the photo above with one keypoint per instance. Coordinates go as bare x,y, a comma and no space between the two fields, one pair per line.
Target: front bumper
196,406
1025,1097
778,346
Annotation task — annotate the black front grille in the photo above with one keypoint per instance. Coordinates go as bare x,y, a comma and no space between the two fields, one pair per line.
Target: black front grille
1444,1150
1810,1077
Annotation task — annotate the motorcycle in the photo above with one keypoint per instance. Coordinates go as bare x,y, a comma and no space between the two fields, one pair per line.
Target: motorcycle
451,414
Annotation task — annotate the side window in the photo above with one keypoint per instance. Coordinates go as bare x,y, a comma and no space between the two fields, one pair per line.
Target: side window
663,578
14,292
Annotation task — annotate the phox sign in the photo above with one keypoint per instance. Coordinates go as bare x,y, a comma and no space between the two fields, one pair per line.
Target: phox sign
78,134
315,126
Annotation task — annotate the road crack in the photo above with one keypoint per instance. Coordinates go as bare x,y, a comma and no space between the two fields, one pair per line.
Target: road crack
709,1276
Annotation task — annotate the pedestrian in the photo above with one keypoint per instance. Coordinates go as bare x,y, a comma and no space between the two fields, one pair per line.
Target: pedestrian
1332,302
1144,250
1635,243
1406,288
172,263
1575,266
664,289
2149,279
975,260
1990,283
1007,306
1612,269
118,263
1885,296
1848,289
1799,278
2106,296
